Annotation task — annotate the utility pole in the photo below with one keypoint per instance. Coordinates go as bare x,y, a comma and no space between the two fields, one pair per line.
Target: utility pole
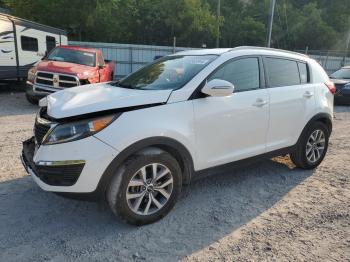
270,22
174,45
218,26
346,49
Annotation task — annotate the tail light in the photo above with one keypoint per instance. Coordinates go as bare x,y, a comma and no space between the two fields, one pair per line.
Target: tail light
331,86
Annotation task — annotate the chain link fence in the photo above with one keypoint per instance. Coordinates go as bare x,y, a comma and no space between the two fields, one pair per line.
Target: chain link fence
130,57
331,60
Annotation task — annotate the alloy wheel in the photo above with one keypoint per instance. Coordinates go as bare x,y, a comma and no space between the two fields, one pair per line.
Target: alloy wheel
315,146
149,189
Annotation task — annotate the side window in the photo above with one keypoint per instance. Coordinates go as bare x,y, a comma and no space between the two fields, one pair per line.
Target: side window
304,78
282,72
29,43
50,43
242,73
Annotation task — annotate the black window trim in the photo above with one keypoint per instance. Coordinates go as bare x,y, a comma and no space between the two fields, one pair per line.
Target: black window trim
26,50
307,72
290,59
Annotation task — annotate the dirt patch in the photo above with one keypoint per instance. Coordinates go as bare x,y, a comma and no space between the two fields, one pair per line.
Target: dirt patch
268,211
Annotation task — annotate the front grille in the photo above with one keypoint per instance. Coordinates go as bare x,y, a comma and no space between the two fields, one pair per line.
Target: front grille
67,78
56,80
45,75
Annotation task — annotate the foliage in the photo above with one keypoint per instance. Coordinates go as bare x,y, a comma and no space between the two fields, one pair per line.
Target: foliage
318,24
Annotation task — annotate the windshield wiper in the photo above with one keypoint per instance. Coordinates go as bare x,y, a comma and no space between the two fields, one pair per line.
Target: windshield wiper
118,84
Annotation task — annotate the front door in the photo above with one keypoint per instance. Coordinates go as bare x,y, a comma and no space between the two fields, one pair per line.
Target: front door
233,127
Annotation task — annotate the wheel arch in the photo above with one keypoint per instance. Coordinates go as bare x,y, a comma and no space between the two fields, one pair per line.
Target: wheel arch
324,118
173,147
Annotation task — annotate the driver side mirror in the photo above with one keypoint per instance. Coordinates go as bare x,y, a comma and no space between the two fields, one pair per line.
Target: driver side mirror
218,87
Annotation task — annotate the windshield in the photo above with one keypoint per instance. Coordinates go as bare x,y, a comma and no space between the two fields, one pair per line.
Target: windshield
171,72
341,74
72,56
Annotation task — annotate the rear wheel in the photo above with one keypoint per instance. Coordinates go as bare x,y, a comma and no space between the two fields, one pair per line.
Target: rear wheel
312,146
145,188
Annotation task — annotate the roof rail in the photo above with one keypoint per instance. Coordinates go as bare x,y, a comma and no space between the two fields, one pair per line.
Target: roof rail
269,49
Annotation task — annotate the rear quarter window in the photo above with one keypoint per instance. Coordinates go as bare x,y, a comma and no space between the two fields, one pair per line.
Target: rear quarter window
282,72
304,74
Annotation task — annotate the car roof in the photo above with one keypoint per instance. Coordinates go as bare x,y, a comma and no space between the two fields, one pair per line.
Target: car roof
211,51
79,48
253,49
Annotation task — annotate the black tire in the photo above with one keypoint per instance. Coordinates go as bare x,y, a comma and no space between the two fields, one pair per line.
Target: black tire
299,155
117,190
32,100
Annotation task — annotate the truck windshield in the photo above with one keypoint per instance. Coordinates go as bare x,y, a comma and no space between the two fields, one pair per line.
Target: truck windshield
171,72
72,56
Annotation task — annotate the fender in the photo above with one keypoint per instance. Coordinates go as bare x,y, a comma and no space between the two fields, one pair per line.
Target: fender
325,118
178,150
175,148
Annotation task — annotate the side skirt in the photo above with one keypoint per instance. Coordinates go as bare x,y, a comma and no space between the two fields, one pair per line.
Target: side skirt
241,163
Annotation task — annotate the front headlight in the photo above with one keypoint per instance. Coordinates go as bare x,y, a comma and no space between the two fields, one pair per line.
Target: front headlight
77,130
31,74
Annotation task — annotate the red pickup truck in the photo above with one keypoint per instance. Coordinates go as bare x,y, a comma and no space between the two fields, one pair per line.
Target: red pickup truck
65,67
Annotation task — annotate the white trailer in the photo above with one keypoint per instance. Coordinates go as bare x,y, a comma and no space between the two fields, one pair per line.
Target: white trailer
23,43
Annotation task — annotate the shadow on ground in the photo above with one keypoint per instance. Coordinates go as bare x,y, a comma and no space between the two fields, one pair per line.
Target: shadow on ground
37,225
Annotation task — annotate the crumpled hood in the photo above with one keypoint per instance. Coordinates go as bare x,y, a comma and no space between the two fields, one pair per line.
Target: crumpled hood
64,68
100,97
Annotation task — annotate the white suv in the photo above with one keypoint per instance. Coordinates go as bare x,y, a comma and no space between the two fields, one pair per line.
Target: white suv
137,141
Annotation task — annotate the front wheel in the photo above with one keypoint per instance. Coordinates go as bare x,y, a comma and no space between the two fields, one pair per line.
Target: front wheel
31,99
146,187
312,146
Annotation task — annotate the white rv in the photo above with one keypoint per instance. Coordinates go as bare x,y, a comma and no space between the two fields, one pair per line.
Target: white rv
23,43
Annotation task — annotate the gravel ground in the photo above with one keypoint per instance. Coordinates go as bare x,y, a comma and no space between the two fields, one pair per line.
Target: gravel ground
269,211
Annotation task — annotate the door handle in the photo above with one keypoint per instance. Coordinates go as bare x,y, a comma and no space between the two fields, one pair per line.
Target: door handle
308,94
260,102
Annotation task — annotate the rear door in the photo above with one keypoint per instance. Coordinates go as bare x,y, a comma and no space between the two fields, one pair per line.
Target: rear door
233,127
292,100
